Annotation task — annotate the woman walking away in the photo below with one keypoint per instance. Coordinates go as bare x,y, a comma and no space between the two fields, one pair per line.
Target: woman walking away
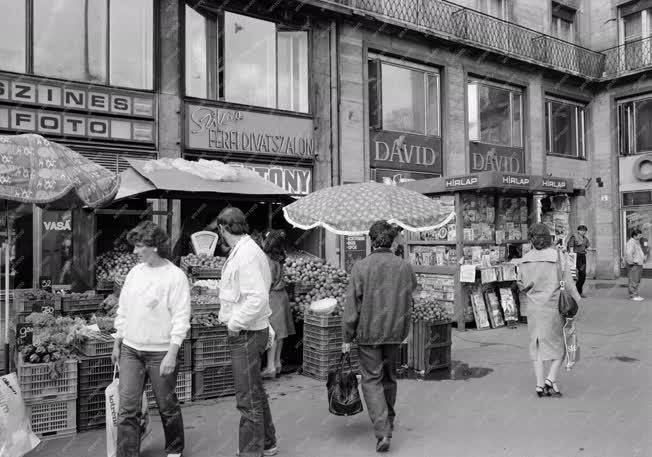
539,282
152,321
281,318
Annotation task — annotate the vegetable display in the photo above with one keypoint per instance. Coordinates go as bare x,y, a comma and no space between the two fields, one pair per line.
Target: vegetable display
206,320
114,263
326,281
429,310
203,261
208,283
109,306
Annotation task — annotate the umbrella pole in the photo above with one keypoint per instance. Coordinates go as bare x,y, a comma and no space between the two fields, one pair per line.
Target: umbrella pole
7,248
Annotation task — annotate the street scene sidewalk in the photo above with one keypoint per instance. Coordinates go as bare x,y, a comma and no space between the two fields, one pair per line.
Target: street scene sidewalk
484,405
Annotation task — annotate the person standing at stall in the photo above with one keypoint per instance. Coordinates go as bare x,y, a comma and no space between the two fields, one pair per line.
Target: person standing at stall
378,314
152,321
579,244
635,259
244,297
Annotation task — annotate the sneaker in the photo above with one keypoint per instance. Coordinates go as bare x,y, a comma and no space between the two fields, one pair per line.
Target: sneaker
638,298
271,451
383,444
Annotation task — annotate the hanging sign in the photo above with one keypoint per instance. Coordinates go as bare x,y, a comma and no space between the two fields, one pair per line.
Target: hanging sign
404,151
355,248
485,157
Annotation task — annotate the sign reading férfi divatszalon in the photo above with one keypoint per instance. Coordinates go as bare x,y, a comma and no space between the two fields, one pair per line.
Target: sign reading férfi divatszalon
75,110
404,151
296,180
486,157
212,128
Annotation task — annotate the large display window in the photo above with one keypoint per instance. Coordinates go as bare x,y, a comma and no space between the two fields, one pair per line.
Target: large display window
640,218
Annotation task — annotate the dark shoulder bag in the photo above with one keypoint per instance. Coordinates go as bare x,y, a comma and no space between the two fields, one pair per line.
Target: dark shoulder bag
343,395
567,305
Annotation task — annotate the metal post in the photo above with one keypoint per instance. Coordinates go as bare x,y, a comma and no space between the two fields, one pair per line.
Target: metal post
7,249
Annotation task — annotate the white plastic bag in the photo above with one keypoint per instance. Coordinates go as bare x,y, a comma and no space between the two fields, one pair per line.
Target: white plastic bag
112,395
16,436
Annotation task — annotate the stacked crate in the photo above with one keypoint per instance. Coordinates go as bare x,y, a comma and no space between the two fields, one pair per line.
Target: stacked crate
95,375
183,388
211,361
429,347
322,346
49,397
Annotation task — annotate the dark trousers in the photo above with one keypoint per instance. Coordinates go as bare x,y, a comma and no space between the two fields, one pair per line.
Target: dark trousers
378,369
257,430
581,272
135,368
634,275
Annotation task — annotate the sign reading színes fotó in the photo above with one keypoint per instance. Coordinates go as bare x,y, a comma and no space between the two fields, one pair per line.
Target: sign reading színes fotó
212,128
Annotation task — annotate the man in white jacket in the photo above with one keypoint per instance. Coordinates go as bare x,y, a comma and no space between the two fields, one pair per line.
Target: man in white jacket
244,300
635,258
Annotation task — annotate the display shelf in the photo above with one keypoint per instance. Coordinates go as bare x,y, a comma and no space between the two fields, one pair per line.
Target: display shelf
437,269
432,243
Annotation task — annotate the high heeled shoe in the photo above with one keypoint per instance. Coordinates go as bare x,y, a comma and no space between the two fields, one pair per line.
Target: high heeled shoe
552,389
540,391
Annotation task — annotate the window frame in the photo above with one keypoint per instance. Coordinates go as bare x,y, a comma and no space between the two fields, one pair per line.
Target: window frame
558,13
627,106
483,7
426,71
579,113
512,90
29,50
216,65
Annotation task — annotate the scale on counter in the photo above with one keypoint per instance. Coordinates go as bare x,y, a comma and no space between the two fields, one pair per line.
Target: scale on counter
204,242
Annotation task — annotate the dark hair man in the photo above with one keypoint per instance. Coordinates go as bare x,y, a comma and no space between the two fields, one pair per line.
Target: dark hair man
635,258
377,316
579,244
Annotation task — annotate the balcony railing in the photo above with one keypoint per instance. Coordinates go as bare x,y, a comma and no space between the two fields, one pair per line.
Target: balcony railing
452,21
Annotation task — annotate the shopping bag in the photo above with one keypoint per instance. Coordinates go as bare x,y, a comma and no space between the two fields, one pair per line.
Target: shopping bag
16,436
571,343
567,305
343,394
112,395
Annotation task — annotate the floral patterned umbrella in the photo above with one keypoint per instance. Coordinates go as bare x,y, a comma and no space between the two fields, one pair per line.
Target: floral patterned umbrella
36,170
351,209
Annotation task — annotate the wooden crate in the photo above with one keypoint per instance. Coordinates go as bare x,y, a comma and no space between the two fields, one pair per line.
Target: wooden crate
429,346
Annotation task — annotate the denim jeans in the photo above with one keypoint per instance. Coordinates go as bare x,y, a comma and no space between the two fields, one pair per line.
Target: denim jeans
378,370
257,430
634,274
135,368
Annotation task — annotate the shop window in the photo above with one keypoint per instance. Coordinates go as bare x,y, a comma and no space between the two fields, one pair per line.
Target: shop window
635,126
56,247
19,218
98,42
264,64
412,109
642,220
495,115
565,129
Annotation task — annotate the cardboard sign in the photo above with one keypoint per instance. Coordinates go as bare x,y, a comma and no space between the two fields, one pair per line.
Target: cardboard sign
24,333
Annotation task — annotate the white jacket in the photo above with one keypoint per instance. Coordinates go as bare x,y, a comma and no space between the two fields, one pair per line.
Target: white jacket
634,254
244,289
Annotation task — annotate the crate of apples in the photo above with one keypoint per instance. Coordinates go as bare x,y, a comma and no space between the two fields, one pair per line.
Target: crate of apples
322,280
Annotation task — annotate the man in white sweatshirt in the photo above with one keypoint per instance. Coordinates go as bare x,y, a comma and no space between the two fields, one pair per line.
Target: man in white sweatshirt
635,258
244,299
152,321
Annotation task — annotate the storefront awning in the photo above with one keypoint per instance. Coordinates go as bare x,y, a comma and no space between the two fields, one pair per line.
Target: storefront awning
147,179
492,180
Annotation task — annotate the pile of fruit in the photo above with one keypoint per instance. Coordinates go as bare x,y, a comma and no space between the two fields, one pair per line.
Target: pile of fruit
115,263
35,295
206,320
208,283
205,299
327,281
203,261
79,295
430,310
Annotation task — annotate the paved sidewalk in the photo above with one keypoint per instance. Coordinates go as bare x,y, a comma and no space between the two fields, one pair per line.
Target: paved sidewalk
485,406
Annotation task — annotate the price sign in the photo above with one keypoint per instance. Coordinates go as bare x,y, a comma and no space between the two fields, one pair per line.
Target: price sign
43,307
24,333
355,248
46,283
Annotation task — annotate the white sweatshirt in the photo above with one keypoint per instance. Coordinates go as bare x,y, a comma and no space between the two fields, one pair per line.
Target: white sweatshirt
154,308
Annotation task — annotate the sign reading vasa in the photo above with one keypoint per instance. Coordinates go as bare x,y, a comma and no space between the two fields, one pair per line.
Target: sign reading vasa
404,151
486,157
211,128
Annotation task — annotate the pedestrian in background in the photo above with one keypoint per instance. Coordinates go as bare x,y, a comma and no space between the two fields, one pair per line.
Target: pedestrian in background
539,281
244,298
152,320
377,315
279,301
635,259
579,244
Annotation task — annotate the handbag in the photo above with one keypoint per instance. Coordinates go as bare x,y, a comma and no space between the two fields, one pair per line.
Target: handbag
567,305
343,394
571,344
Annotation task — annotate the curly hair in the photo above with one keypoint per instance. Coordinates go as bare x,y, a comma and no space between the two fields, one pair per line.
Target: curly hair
274,245
149,234
539,235
382,234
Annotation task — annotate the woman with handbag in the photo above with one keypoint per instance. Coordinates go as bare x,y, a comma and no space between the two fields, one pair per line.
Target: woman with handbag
544,279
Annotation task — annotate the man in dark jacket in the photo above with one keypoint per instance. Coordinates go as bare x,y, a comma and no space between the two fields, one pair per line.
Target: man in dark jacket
377,316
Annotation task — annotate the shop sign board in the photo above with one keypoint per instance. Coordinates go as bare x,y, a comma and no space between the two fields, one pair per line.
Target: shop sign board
515,181
461,182
549,183
404,151
296,180
486,157
60,108
355,249
395,177
213,128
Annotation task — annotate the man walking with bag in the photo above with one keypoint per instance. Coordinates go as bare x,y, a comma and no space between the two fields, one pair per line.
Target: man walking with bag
244,297
635,258
377,316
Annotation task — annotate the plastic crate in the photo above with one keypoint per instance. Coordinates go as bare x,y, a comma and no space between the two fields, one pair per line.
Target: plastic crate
320,320
53,419
101,344
91,409
322,338
317,364
213,382
199,331
36,381
208,352
23,304
95,373
199,307
184,356
183,389
77,305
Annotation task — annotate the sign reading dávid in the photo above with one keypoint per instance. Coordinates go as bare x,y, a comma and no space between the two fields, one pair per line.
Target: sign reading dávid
211,128
461,182
75,110
295,180
403,151
486,157
395,177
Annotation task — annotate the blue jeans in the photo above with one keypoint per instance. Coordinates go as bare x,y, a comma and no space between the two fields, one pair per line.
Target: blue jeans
257,430
135,368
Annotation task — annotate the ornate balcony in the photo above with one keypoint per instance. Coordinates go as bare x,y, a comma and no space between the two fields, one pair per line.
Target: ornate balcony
628,58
